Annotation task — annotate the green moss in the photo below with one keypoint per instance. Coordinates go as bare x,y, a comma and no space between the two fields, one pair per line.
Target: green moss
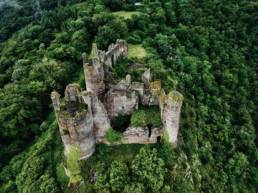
113,136
146,116
165,135
175,96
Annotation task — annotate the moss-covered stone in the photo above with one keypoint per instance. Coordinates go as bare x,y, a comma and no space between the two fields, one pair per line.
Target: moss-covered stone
175,96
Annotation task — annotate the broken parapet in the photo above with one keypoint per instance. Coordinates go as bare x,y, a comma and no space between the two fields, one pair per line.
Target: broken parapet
75,121
151,90
170,109
109,58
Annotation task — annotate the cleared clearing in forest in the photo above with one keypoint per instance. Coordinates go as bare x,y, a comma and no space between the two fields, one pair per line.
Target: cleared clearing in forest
136,51
126,14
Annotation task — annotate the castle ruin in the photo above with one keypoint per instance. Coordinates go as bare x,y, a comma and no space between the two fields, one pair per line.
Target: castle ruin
84,117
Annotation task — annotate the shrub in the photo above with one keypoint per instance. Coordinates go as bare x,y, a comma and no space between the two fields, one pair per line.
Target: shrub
113,136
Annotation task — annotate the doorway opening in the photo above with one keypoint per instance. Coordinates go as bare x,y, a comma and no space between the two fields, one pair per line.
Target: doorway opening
149,126
112,60
158,139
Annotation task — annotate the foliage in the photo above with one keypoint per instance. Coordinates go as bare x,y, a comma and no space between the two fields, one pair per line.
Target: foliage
110,31
118,175
146,116
31,171
148,169
72,163
113,136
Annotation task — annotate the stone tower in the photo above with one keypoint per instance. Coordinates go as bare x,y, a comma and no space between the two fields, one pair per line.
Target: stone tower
75,121
170,109
94,75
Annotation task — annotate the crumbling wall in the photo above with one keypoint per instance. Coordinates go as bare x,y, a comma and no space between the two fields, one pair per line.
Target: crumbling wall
109,58
170,106
121,102
142,135
94,80
100,117
95,73
121,99
114,51
151,90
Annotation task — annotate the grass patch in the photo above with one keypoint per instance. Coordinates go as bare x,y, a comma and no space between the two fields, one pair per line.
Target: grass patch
126,14
136,51
106,154
146,116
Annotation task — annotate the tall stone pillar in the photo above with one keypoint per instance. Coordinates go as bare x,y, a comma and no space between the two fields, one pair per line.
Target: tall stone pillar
170,108
94,80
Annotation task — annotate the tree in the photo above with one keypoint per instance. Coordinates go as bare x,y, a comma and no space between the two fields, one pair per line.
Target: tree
148,168
118,176
134,187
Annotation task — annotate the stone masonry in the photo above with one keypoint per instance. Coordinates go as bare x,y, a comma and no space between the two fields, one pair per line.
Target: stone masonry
84,117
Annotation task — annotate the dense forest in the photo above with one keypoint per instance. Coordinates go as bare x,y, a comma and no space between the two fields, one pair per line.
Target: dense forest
207,50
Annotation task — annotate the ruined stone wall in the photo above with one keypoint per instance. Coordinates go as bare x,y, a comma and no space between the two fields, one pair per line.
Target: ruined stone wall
95,73
94,80
100,117
110,57
170,106
142,135
121,102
